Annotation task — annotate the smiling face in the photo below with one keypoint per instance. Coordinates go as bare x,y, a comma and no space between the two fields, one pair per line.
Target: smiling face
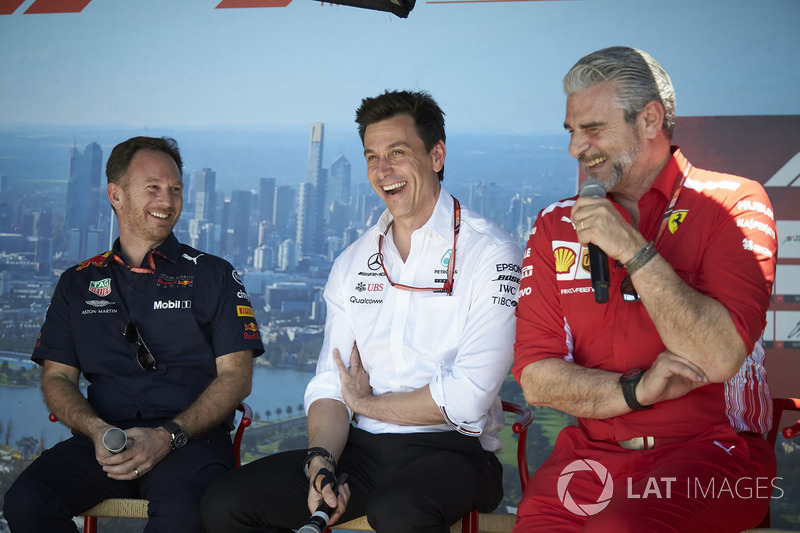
401,171
601,140
149,198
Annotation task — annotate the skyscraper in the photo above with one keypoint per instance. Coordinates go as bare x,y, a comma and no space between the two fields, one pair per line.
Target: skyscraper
283,213
83,196
266,201
311,198
205,191
339,181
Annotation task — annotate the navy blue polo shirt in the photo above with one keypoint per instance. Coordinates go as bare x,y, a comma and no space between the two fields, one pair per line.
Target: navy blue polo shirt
190,308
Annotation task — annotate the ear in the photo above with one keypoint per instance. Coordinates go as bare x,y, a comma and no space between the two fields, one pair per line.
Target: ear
113,191
652,119
438,153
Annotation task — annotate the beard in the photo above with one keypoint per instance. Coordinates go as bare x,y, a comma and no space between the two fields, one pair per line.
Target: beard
621,163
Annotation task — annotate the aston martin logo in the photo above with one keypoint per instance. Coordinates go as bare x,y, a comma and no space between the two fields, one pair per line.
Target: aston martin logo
99,303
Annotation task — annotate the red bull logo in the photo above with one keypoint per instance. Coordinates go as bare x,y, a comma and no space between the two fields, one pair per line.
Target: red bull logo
251,326
98,261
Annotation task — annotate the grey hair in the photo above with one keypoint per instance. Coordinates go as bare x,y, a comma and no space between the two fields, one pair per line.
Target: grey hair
639,80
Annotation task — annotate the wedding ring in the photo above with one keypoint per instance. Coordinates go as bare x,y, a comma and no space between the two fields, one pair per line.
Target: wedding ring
582,224
136,471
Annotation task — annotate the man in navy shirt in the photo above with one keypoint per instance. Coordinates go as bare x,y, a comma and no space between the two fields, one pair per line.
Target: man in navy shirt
165,336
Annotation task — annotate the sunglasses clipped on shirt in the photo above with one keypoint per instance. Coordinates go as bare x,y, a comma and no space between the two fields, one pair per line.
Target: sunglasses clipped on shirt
143,355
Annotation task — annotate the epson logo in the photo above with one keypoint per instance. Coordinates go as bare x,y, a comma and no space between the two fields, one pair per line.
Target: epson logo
172,304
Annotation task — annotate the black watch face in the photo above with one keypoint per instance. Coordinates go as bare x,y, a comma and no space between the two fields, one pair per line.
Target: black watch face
180,440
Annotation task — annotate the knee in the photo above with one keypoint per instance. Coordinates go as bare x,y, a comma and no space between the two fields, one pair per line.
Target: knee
26,499
216,506
399,511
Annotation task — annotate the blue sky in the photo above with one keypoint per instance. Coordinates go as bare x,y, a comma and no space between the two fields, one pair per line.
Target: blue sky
494,67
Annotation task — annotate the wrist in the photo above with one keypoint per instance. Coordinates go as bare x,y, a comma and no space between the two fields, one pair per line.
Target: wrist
317,458
640,258
629,382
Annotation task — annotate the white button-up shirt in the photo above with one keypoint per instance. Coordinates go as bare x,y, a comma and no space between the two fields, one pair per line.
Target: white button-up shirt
461,345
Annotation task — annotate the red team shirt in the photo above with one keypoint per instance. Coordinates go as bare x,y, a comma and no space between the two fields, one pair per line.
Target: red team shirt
720,239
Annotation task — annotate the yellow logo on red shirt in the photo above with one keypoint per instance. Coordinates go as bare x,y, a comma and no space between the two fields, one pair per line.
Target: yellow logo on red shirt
676,219
565,258
244,310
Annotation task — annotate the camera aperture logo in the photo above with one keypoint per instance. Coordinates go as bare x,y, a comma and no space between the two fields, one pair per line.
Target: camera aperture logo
585,509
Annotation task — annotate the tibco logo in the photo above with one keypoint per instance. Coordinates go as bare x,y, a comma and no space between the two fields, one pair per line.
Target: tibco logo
586,509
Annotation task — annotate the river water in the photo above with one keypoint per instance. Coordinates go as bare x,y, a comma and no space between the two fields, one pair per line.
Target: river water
24,407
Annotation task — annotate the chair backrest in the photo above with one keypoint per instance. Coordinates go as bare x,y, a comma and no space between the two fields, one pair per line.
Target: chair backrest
779,406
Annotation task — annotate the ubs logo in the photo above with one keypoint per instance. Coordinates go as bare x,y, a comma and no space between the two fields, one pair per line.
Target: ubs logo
374,262
370,287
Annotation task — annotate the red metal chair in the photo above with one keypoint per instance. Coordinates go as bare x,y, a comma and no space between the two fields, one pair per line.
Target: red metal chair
137,508
779,405
470,523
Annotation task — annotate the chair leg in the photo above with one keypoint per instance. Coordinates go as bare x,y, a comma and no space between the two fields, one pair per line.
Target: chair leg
89,524
469,524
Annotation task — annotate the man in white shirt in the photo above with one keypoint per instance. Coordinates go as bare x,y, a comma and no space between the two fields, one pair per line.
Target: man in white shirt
418,341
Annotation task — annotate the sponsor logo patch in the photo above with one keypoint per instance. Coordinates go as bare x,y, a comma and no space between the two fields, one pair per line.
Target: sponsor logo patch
676,219
101,287
171,304
100,303
244,310
565,258
374,261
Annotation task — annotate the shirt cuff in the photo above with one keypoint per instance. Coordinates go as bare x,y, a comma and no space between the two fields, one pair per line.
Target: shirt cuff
437,387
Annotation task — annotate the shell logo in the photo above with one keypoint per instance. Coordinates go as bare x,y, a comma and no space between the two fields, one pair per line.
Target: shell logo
565,258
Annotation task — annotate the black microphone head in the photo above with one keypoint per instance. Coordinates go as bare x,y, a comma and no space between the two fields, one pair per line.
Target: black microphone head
115,440
593,188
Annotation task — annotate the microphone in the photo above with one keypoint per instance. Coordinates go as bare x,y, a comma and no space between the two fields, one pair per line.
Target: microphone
319,520
115,440
598,260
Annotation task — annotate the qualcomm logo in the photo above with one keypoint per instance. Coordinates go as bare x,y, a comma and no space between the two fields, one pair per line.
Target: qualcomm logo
586,509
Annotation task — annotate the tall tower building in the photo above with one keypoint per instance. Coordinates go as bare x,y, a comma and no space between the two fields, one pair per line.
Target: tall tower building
266,201
311,199
340,175
283,212
204,192
306,217
83,195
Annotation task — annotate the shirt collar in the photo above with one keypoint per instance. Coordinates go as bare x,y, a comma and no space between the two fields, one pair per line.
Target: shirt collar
440,222
170,250
672,171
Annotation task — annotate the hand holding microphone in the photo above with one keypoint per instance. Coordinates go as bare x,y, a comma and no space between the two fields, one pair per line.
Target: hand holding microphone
115,440
598,259
319,520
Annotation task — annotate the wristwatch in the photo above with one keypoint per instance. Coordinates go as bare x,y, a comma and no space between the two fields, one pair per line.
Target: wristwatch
178,437
628,381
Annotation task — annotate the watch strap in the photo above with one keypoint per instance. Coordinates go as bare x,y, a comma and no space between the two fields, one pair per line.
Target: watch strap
175,431
628,384
318,451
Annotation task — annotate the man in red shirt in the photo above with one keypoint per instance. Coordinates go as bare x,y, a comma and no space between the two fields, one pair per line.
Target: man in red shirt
666,379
